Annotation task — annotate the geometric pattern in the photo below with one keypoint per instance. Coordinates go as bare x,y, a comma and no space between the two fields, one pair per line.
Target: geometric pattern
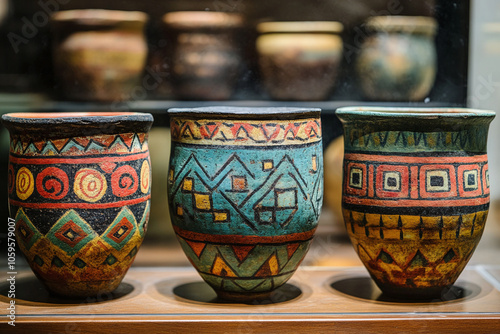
369,139
72,254
245,197
415,203
80,224
255,266
421,251
123,143
235,195
416,181
253,133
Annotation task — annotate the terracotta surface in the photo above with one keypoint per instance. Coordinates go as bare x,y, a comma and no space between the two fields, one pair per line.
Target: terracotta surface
416,193
80,203
245,192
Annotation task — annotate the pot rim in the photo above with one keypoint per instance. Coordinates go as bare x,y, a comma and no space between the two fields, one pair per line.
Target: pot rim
300,27
425,25
246,111
74,117
99,16
202,19
408,112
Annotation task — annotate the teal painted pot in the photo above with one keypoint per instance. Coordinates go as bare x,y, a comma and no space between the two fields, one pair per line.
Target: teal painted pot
397,61
416,194
245,191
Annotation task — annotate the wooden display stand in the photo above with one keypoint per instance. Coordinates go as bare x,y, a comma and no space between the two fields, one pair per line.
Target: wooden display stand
316,300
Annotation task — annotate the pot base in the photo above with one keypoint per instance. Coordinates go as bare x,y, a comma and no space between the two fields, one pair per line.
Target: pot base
439,293
254,297
97,289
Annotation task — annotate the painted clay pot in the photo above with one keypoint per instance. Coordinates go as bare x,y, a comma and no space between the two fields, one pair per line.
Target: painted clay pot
416,194
299,60
99,55
245,191
397,60
79,191
205,58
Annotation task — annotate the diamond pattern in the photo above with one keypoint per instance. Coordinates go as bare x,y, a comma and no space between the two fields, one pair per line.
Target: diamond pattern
27,232
71,233
121,230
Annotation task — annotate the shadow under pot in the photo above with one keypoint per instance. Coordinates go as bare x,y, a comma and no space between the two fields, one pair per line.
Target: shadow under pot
79,192
397,60
299,60
245,191
98,55
416,194
204,56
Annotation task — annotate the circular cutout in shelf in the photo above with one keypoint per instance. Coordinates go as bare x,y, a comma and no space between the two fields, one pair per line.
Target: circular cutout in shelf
30,290
365,288
201,292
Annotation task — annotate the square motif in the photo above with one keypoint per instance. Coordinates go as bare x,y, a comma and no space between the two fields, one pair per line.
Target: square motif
471,179
221,216
356,178
239,183
267,165
437,180
202,201
392,181
187,184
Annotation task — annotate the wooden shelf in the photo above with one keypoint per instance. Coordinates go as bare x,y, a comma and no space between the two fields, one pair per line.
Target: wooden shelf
316,300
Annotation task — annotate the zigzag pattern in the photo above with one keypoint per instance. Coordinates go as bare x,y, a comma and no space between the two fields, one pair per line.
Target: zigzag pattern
400,141
239,194
72,248
216,132
245,268
102,144
415,251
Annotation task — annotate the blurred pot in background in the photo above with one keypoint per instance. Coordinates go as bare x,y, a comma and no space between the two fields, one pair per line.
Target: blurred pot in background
99,55
299,60
397,60
203,52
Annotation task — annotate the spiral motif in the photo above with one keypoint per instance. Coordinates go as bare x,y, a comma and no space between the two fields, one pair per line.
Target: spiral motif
90,185
124,181
11,179
52,183
25,183
145,177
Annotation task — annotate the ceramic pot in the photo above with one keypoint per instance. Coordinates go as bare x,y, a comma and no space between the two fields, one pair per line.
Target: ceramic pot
299,60
416,194
99,55
204,55
79,191
245,191
397,60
